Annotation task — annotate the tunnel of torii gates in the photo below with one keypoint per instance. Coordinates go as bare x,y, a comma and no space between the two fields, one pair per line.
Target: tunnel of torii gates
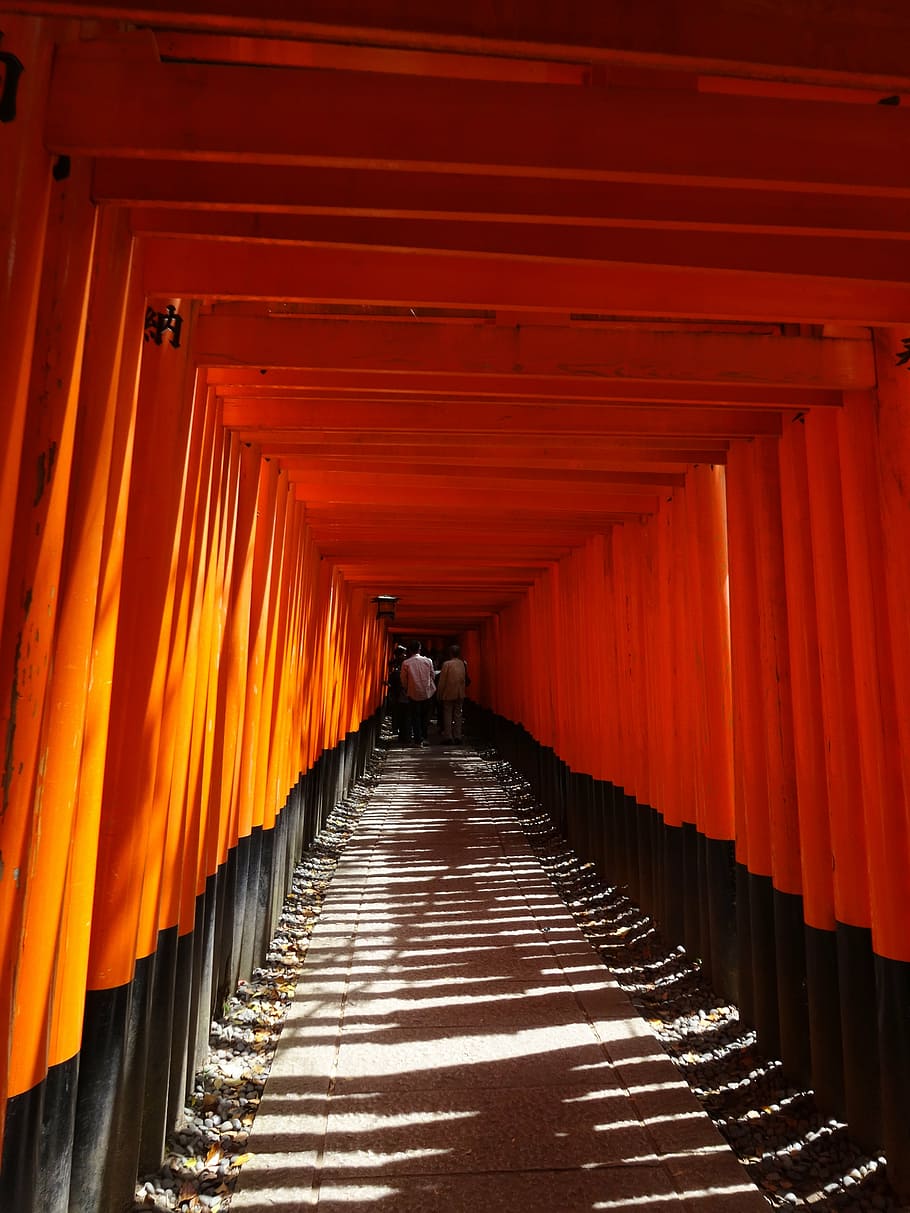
584,334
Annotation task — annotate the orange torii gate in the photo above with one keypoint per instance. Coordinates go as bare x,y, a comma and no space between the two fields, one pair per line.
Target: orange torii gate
586,335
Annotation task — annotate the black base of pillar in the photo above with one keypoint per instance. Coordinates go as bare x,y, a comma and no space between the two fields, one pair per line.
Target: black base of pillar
691,929
743,917
250,897
792,996
21,1151
862,1076
892,983
720,884
104,1066
158,1062
180,1074
673,901
764,963
826,1041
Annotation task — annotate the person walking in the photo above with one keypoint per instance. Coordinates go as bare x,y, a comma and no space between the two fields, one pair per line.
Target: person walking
419,681
453,681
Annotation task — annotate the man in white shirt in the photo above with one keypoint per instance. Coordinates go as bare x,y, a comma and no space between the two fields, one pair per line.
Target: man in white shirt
419,681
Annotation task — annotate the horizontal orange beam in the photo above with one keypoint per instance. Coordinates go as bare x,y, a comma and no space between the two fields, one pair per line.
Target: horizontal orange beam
187,267
458,571
100,100
274,52
881,259
491,559
302,470
518,535
645,447
585,450
586,355
315,386
517,452
246,414
405,493
306,190
518,539
413,420
421,591
851,41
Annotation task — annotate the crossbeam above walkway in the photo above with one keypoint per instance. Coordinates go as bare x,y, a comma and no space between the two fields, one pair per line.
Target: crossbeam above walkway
456,1043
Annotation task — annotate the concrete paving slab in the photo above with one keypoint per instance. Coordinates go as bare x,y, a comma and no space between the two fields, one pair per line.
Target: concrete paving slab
419,1059
466,1130
536,1191
455,1040
510,1004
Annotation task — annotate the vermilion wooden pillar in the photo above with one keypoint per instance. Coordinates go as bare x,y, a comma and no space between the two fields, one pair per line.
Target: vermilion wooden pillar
641,660
880,659
679,802
35,825
763,736
758,999
671,748
24,202
809,755
111,1064
90,597
849,856
174,795
706,535
250,814
779,747
225,790
269,797
881,761
892,421
633,668
23,211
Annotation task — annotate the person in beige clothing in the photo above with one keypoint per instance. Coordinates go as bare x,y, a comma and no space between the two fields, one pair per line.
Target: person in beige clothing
450,691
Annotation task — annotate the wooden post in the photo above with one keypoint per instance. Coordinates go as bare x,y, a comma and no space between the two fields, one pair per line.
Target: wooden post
112,1058
877,635
24,202
809,755
35,826
859,1031
891,411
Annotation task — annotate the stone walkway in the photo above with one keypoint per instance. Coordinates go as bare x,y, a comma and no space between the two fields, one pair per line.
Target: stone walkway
456,1043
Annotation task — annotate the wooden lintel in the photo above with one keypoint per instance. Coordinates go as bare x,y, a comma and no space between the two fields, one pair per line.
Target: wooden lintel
845,40
211,269
587,354
828,256
219,188
614,420
99,106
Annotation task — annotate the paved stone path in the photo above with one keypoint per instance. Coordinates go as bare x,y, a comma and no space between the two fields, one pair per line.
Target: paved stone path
456,1044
